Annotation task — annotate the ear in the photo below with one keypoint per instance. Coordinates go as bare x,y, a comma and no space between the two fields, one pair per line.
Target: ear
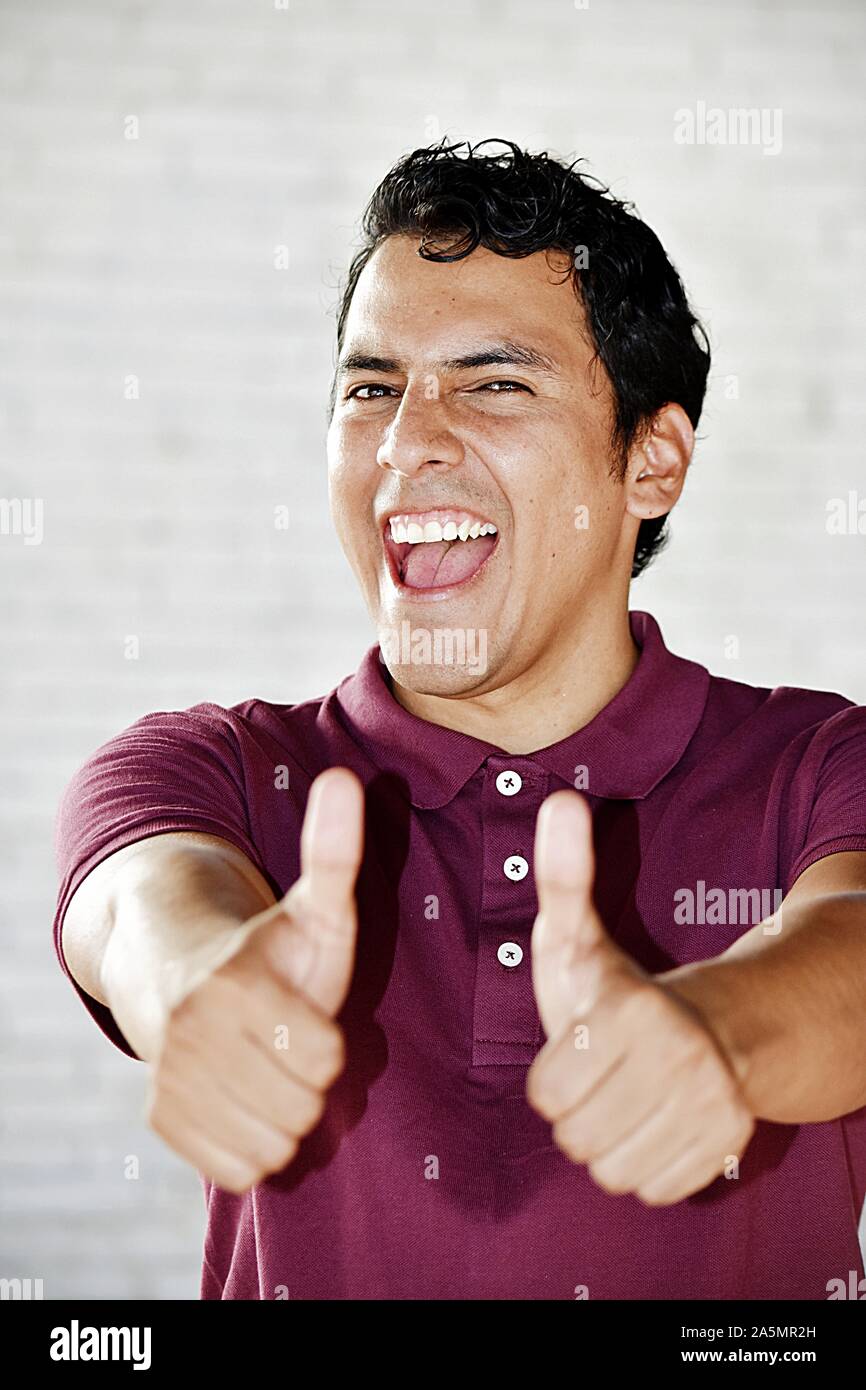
657,463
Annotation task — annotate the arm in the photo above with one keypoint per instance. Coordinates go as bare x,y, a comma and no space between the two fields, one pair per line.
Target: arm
230,994
789,1007
154,916
656,1082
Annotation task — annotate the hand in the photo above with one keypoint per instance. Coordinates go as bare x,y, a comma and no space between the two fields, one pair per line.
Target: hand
251,1050
634,1083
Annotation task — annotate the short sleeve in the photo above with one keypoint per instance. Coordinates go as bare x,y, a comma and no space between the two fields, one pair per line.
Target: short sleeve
177,770
829,792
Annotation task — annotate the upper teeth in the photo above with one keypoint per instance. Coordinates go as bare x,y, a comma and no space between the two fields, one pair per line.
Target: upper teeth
403,530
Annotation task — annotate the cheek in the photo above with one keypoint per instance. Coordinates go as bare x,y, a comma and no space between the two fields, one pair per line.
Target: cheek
352,484
340,470
560,546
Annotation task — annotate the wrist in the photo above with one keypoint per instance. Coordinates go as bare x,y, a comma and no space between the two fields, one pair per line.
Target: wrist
164,941
713,990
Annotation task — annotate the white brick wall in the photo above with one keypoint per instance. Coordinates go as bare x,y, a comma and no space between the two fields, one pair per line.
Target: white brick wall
154,257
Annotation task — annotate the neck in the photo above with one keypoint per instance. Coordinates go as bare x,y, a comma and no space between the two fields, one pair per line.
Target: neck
563,689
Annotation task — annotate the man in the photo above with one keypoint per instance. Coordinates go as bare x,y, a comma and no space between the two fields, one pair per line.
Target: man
529,962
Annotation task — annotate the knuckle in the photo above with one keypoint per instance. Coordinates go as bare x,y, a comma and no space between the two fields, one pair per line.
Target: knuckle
744,1132
184,1027
712,1066
271,1153
611,1177
573,1140
155,1118
161,1107
327,1055
644,1008
722,1096
724,1100
236,1177
170,1082
656,1197
308,1112
168,1066
697,1062
180,1030
697,1051
541,1094
562,1139
271,1156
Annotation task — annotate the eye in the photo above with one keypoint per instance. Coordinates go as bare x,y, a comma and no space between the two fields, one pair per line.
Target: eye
511,385
354,393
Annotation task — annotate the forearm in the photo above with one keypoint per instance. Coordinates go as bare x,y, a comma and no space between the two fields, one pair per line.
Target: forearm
170,913
789,1010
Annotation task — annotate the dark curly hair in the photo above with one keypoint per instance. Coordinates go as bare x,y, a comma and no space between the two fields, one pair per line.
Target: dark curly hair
649,341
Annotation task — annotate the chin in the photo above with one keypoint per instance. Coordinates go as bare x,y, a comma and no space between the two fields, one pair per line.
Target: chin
431,661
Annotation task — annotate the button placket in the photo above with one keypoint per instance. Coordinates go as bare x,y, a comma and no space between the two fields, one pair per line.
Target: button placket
506,1024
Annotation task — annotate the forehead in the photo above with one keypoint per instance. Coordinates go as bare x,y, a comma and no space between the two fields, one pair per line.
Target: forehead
403,300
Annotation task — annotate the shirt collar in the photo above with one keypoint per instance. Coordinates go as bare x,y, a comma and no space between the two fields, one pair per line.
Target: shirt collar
627,748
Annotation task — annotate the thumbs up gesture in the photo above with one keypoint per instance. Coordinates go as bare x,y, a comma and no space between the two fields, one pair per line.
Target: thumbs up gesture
632,1080
252,1047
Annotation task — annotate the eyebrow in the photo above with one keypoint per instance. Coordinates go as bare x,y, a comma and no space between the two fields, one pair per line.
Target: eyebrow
504,354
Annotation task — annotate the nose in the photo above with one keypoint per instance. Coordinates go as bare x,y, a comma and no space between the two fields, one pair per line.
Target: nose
418,437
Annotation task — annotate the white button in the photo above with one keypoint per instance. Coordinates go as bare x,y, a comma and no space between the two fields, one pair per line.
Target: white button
509,783
515,867
509,954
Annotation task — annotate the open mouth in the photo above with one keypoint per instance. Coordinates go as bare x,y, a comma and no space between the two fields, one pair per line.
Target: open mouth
439,549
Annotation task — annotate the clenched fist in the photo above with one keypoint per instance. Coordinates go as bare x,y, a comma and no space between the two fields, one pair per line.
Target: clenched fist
249,1053
632,1080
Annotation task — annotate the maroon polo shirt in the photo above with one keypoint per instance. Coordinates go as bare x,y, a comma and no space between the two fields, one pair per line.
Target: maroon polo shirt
430,1176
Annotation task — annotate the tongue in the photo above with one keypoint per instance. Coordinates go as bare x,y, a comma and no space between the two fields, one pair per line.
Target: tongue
435,564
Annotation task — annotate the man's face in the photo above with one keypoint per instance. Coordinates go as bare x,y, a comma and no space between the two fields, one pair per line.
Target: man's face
424,424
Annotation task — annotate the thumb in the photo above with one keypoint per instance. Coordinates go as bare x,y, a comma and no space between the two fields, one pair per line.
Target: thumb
570,947
311,933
